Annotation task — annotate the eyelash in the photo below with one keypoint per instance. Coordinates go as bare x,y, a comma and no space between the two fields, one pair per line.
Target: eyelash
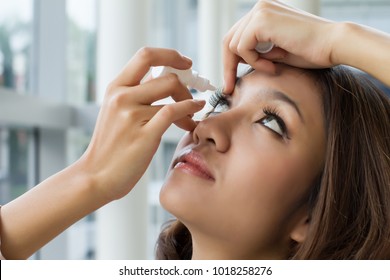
219,99
273,112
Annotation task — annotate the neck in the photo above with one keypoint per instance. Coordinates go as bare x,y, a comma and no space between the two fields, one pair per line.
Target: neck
205,247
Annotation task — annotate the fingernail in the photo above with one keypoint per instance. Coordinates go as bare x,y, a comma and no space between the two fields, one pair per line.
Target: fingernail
187,59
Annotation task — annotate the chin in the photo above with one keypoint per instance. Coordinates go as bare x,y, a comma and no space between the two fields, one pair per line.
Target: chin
182,198
170,194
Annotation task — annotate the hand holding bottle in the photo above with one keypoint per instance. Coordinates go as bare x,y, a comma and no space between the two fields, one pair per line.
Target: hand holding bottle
126,136
129,128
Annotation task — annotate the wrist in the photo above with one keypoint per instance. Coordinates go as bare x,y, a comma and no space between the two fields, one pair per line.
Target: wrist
339,34
346,43
91,185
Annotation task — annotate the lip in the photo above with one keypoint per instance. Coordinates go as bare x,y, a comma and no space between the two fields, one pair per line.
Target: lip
193,163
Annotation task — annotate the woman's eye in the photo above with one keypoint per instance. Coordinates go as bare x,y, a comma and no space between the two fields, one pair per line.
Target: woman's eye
272,123
219,103
220,108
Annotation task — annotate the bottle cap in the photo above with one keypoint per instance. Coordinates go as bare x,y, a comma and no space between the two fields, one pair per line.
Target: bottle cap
202,84
187,77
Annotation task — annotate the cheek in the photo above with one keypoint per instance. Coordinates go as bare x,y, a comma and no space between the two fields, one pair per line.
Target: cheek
264,167
266,186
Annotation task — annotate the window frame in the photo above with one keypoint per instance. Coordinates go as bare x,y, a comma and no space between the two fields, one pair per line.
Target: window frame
44,108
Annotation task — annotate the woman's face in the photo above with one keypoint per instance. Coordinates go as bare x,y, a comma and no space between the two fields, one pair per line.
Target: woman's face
240,180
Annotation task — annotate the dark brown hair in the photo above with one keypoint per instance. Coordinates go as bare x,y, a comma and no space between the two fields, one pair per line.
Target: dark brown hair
350,203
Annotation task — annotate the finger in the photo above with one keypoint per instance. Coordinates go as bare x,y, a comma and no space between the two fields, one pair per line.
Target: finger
264,65
246,50
145,58
230,57
229,70
171,113
247,44
157,89
186,123
147,78
276,54
237,31
230,63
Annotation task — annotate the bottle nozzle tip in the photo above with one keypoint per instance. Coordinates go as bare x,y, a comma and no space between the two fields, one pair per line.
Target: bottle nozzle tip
212,88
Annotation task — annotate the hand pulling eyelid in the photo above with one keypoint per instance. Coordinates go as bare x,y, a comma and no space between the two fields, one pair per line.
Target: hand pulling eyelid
192,79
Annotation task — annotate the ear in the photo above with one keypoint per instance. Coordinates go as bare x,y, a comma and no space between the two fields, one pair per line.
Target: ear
300,229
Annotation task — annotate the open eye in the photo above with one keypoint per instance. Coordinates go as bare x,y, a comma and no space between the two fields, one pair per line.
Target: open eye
274,122
219,103
220,108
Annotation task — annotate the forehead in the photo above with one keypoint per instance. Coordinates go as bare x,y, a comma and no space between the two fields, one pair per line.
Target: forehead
295,83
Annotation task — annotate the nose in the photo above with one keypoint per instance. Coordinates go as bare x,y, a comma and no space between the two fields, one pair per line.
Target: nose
215,130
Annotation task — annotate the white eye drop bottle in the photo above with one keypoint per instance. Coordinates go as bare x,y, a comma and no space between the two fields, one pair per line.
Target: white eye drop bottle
187,77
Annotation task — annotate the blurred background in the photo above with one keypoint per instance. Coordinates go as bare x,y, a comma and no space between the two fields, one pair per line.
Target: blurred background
56,59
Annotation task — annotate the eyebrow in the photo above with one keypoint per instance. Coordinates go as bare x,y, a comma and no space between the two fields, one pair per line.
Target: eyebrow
283,97
278,95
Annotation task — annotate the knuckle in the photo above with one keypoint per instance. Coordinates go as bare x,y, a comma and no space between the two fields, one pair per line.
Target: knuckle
168,112
173,80
226,40
133,114
263,4
116,99
240,48
263,12
111,88
233,46
145,53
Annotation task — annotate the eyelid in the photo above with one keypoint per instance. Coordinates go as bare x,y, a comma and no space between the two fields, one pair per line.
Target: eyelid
272,112
217,99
